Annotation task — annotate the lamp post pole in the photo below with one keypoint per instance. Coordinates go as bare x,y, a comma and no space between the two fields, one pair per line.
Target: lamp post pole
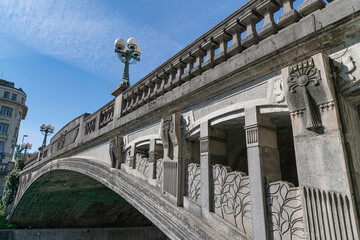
26,146
46,130
128,54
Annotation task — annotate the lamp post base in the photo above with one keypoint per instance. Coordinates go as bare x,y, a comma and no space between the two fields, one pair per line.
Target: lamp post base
119,89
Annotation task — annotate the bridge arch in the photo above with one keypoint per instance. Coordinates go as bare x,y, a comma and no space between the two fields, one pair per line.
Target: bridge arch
172,221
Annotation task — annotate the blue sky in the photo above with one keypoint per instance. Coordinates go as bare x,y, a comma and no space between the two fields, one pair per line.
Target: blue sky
61,52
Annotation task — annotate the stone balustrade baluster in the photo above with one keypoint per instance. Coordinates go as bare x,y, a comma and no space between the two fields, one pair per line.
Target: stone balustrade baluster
137,94
151,89
309,6
249,19
157,90
164,80
267,9
289,15
143,92
235,28
222,38
179,65
171,71
130,101
209,46
189,60
199,53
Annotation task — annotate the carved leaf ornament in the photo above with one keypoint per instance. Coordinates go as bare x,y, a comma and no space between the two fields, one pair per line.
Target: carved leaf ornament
300,77
193,182
285,211
232,197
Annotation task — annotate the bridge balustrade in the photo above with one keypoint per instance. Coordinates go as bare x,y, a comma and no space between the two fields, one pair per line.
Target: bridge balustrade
188,63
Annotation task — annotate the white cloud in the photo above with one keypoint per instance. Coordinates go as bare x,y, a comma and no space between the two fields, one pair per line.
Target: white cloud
82,33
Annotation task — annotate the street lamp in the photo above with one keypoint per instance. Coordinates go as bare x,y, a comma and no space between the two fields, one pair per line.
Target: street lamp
26,146
46,130
129,54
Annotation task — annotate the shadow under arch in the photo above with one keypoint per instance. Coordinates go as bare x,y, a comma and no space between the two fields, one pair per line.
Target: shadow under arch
69,199
173,221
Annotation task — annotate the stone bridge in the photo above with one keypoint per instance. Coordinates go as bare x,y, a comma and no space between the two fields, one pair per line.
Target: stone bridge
246,133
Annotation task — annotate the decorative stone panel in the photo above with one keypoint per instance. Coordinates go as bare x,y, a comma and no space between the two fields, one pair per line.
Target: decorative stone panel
328,215
159,170
306,88
231,197
285,211
192,182
142,164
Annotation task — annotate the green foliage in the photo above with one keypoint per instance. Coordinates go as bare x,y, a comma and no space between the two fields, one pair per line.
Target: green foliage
4,222
11,184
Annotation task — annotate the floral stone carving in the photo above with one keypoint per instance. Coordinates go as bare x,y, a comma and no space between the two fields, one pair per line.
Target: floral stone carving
193,182
142,164
285,211
231,197
279,91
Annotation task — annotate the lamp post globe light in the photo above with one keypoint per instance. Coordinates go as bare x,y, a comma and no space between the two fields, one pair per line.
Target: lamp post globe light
128,53
46,130
26,146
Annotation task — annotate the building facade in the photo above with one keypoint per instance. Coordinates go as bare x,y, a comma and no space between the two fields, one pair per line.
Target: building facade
12,111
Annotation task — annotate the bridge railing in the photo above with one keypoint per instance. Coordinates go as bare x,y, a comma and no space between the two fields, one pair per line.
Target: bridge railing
216,46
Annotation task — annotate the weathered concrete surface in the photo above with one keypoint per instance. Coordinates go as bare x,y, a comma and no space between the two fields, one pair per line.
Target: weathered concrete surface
83,234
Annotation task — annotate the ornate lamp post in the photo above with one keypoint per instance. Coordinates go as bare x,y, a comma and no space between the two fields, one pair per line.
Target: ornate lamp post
46,130
129,54
26,146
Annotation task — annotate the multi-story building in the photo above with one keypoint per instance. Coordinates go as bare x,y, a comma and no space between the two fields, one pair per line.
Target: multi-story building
12,111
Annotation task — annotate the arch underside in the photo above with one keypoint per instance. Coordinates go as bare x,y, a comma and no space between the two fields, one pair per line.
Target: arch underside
64,198
96,195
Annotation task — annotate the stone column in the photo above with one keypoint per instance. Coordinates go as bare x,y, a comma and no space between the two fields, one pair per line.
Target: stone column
153,155
212,151
319,149
263,161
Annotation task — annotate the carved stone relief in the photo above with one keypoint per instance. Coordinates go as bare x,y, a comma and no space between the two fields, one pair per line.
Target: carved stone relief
231,197
306,88
90,126
61,142
159,170
328,214
192,182
302,76
347,68
142,164
279,91
285,211
167,129
115,150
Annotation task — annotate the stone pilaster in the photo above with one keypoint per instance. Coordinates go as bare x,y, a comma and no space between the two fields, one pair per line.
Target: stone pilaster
320,154
263,161
212,151
171,137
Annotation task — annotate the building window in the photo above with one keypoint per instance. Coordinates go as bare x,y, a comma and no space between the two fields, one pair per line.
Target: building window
19,116
2,145
6,111
13,97
22,100
4,128
6,95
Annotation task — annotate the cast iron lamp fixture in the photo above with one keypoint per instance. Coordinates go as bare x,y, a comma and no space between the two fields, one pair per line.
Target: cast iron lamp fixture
26,146
128,54
46,130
